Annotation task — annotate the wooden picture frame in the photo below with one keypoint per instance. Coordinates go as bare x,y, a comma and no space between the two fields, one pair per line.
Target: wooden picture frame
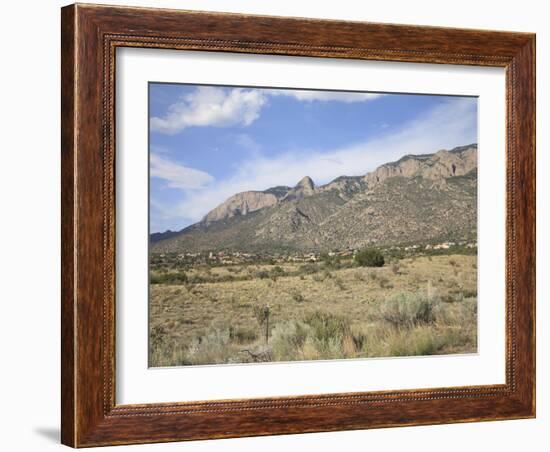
90,36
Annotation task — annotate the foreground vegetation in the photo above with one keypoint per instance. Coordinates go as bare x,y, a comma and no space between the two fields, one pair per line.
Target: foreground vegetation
332,309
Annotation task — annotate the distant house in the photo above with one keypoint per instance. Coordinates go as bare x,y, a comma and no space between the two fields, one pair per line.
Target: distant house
443,246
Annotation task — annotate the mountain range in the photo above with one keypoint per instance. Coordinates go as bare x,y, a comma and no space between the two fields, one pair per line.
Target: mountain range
418,199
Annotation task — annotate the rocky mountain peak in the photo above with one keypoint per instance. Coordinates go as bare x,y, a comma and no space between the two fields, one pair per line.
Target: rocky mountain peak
241,204
306,183
304,188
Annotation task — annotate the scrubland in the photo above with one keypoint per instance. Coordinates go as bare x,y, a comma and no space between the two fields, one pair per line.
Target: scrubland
420,305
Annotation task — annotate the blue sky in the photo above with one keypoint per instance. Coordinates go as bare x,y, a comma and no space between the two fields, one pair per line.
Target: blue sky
207,143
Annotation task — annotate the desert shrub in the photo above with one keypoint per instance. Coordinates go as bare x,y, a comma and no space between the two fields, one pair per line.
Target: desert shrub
195,279
320,335
170,354
419,341
370,257
229,269
395,267
359,339
242,335
334,348
288,339
276,272
469,293
384,283
213,348
462,315
453,284
297,296
339,283
458,293
326,326
308,269
379,340
406,309
449,298
332,262
318,278
262,274
427,340
397,254
168,278
223,278
157,336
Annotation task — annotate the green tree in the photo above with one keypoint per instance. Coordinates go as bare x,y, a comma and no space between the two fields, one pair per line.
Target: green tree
370,257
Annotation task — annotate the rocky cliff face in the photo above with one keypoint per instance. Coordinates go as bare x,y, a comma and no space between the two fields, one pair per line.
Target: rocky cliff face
250,201
241,204
419,198
441,165
345,186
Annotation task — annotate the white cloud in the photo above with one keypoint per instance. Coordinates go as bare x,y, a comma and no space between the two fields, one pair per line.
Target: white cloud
451,124
315,95
211,106
176,175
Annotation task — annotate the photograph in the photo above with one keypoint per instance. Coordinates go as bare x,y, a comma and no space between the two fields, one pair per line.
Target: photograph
297,225
277,220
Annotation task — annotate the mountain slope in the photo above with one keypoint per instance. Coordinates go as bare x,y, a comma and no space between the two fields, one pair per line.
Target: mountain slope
419,198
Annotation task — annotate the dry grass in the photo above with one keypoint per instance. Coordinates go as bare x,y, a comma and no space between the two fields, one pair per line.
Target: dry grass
412,307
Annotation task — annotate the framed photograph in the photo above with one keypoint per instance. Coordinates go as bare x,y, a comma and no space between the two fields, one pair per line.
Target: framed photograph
281,225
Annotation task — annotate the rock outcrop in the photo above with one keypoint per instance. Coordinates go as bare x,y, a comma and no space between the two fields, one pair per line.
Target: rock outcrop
241,204
304,188
441,165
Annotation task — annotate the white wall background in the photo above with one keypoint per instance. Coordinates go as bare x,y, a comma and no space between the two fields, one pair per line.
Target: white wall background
30,270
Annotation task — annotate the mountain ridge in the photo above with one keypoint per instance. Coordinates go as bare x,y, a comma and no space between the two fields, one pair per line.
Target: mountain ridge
349,211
